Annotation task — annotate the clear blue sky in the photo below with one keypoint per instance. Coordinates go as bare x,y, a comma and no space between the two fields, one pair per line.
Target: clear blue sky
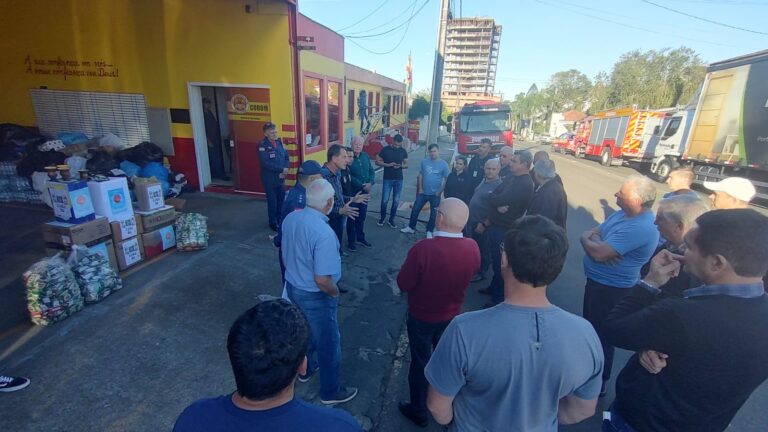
541,37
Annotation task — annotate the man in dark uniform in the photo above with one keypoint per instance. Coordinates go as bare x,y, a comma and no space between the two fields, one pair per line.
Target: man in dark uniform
213,138
273,159
476,167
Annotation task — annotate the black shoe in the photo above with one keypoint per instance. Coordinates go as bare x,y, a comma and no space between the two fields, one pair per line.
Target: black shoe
419,419
365,243
308,376
345,394
351,248
273,227
380,223
603,390
392,224
477,278
341,290
10,384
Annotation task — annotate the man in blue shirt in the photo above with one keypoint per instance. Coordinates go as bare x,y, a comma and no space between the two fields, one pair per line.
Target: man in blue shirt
332,171
614,253
267,348
312,270
273,160
296,199
432,175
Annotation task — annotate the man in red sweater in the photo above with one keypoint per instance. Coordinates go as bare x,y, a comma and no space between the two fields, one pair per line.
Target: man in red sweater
435,275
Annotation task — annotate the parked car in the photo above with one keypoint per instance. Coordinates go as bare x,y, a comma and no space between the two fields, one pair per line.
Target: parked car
544,138
565,143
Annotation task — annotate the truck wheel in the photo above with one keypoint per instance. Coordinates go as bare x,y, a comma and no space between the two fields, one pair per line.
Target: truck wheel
605,157
663,170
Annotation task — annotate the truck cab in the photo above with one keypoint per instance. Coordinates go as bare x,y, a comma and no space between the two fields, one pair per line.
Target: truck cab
668,141
481,120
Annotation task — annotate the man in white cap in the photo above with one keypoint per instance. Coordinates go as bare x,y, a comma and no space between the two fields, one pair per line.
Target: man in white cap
731,193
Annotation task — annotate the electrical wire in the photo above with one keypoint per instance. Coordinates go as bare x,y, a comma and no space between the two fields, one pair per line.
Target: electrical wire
578,12
704,19
363,18
388,21
406,23
402,38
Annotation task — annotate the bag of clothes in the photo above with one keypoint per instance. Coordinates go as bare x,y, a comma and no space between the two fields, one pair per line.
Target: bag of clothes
52,291
191,231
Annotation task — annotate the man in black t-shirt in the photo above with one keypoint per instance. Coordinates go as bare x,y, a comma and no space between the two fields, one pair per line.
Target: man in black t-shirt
394,159
476,167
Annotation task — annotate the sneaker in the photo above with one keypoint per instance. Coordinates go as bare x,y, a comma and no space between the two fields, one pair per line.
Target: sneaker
407,230
365,243
11,384
308,376
380,223
345,394
391,224
477,277
351,248
429,234
419,419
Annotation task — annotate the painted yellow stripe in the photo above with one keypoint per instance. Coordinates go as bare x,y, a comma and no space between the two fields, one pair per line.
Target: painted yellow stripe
181,130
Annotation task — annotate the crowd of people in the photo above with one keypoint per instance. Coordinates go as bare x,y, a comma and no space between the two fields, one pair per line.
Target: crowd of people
682,288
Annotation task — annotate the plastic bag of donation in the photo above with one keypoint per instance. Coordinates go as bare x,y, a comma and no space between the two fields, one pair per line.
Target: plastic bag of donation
191,231
96,278
52,291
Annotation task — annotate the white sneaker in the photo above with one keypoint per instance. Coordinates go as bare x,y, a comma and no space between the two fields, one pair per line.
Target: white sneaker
407,230
429,234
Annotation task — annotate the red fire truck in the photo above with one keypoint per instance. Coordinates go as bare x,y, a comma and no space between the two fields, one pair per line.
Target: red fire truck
621,134
481,120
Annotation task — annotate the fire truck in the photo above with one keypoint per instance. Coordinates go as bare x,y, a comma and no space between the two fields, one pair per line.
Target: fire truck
481,120
622,134
574,142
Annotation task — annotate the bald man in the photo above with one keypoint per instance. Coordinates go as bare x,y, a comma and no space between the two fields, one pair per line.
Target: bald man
505,157
435,275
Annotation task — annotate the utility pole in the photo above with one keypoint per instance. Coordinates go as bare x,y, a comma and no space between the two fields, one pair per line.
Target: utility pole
437,75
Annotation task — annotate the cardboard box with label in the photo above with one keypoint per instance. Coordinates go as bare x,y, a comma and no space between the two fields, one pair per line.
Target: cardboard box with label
111,198
104,247
149,194
155,219
129,253
67,234
71,201
158,241
126,228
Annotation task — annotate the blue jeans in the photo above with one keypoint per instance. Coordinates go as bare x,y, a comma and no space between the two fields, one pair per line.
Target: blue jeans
421,199
616,423
495,239
356,226
325,339
393,187
275,197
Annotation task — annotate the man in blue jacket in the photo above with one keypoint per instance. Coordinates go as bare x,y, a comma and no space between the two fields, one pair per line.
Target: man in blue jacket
273,159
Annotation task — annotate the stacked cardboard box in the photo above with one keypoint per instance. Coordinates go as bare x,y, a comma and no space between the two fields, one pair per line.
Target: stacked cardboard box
159,234
95,235
112,199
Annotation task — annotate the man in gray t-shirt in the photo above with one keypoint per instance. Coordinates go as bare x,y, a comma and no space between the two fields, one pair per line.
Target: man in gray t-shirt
524,364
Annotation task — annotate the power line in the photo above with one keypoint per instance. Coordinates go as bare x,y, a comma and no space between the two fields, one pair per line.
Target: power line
363,18
578,12
406,23
704,19
380,26
402,38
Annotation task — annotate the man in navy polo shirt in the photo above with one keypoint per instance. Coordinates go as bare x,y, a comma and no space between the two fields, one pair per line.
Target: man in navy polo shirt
267,348
273,159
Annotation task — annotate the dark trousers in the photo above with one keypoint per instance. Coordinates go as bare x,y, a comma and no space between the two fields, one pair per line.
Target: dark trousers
216,161
482,244
599,299
495,239
337,225
422,339
356,226
275,197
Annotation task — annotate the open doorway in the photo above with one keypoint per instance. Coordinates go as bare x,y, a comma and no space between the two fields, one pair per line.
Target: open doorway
217,133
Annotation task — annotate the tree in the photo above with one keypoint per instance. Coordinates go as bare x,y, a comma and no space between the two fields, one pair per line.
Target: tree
568,90
419,108
598,95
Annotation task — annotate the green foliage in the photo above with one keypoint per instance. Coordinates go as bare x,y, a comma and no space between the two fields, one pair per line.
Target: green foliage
419,108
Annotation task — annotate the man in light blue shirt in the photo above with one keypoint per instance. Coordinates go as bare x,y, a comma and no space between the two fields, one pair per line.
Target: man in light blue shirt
434,171
614,253
310,251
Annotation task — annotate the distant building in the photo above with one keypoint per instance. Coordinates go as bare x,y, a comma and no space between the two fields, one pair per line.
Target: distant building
561,123
471,58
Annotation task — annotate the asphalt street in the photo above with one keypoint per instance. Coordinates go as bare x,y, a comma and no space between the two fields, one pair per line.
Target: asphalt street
135,360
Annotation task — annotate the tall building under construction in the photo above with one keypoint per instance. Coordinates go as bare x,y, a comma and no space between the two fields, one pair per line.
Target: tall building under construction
471,58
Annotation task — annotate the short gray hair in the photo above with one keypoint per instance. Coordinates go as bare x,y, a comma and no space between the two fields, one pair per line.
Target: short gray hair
318,193
644,188
494,161
525,157
683,209
507,149
545,168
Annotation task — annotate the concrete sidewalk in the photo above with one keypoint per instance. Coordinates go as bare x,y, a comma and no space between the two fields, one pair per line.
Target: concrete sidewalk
135,360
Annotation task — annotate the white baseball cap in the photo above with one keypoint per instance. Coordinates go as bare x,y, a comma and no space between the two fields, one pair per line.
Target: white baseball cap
737,187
